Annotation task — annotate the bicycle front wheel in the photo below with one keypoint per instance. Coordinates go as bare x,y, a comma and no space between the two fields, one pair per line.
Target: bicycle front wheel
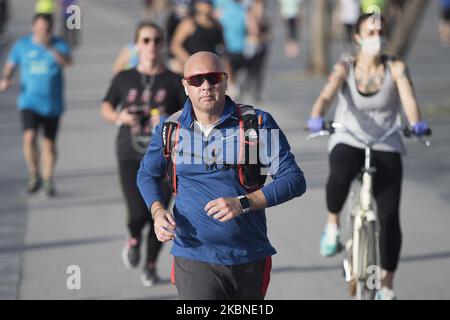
366,266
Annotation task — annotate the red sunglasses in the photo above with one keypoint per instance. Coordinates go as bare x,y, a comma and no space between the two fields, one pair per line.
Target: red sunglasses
212,77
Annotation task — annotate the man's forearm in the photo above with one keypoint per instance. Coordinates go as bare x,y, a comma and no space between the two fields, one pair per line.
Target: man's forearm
8,71
60,58
156,207
286,187
257,200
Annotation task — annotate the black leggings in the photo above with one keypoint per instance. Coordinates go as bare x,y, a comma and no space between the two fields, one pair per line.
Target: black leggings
255,76
349,29
138,213
292,28
345,164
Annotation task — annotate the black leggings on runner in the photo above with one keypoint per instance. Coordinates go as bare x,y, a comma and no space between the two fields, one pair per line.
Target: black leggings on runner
292,31
345,164
255,76
138,213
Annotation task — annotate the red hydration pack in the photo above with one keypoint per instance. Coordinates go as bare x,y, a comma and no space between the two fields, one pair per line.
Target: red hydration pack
250,176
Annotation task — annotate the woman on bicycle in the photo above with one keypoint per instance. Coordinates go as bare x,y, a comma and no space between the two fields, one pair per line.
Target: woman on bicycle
370,87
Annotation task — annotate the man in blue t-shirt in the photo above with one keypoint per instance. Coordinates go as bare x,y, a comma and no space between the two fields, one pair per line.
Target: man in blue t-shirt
41,59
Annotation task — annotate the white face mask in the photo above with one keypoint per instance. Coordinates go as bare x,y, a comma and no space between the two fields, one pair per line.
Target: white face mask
373,45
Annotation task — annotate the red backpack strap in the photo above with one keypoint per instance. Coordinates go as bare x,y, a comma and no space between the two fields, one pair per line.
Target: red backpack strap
241,159
174,181
170,136
249,173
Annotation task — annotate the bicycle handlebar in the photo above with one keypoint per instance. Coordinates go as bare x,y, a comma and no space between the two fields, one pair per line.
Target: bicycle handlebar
330,128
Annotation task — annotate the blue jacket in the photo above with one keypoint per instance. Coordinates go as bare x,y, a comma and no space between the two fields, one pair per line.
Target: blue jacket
200,237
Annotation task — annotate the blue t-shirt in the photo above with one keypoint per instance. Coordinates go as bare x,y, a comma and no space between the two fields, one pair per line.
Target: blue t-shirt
41,76
232,18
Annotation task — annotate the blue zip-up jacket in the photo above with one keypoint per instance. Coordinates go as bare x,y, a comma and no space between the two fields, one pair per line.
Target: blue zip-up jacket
198,236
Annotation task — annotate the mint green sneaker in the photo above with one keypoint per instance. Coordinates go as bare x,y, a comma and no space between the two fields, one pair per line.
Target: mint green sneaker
385,294
330,243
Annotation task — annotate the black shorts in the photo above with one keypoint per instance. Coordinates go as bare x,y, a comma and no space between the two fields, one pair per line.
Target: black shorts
292,28
237,61
445,15
31,120
196,280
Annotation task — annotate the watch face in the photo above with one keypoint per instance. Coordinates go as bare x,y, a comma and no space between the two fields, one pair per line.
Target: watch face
245,204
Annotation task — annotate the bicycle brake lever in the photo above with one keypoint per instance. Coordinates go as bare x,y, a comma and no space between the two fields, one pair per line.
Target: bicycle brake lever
328,126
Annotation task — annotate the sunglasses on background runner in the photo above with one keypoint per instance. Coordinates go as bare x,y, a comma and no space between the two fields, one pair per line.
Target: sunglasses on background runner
212,77
156,40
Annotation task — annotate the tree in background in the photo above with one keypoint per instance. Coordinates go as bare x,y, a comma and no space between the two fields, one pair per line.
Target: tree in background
405,32
320,37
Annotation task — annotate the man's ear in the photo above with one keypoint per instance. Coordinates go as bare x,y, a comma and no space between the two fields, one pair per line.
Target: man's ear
226,82
183,82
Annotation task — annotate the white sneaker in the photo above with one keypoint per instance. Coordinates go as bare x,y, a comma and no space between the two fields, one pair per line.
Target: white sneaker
385,294
149,277
332,232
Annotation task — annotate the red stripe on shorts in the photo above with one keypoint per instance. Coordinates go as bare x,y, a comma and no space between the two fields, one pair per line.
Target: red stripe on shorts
172,272
266,276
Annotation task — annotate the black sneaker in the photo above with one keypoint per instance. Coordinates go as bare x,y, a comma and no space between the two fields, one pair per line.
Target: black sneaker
131,253
149,277
49,188
34,184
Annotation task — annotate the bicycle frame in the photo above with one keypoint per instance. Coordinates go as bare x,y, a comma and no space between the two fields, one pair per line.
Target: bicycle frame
365,214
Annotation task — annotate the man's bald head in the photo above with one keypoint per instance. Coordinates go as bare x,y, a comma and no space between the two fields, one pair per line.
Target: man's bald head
209,97
202,62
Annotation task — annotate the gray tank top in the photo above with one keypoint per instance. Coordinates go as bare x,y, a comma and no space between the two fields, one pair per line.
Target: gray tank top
368,116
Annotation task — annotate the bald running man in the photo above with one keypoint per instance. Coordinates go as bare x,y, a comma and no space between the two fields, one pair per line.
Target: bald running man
218,227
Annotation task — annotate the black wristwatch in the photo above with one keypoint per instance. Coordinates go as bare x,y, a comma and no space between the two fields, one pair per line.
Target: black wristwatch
245,203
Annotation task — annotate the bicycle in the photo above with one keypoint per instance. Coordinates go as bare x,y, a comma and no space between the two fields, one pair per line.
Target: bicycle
361,263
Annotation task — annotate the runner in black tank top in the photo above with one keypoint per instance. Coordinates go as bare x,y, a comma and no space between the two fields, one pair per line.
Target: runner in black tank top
204,39
199,32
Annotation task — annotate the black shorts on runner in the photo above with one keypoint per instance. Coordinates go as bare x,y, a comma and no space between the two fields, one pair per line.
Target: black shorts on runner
445,15
237,61
31,120
197,280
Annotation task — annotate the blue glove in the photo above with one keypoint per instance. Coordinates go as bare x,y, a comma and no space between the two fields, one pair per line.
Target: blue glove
315,124
420,128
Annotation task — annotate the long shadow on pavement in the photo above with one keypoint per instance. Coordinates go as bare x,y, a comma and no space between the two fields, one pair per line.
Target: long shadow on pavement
59,244
74,201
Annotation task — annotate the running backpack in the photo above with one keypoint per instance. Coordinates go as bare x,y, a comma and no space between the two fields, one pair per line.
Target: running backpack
250,176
